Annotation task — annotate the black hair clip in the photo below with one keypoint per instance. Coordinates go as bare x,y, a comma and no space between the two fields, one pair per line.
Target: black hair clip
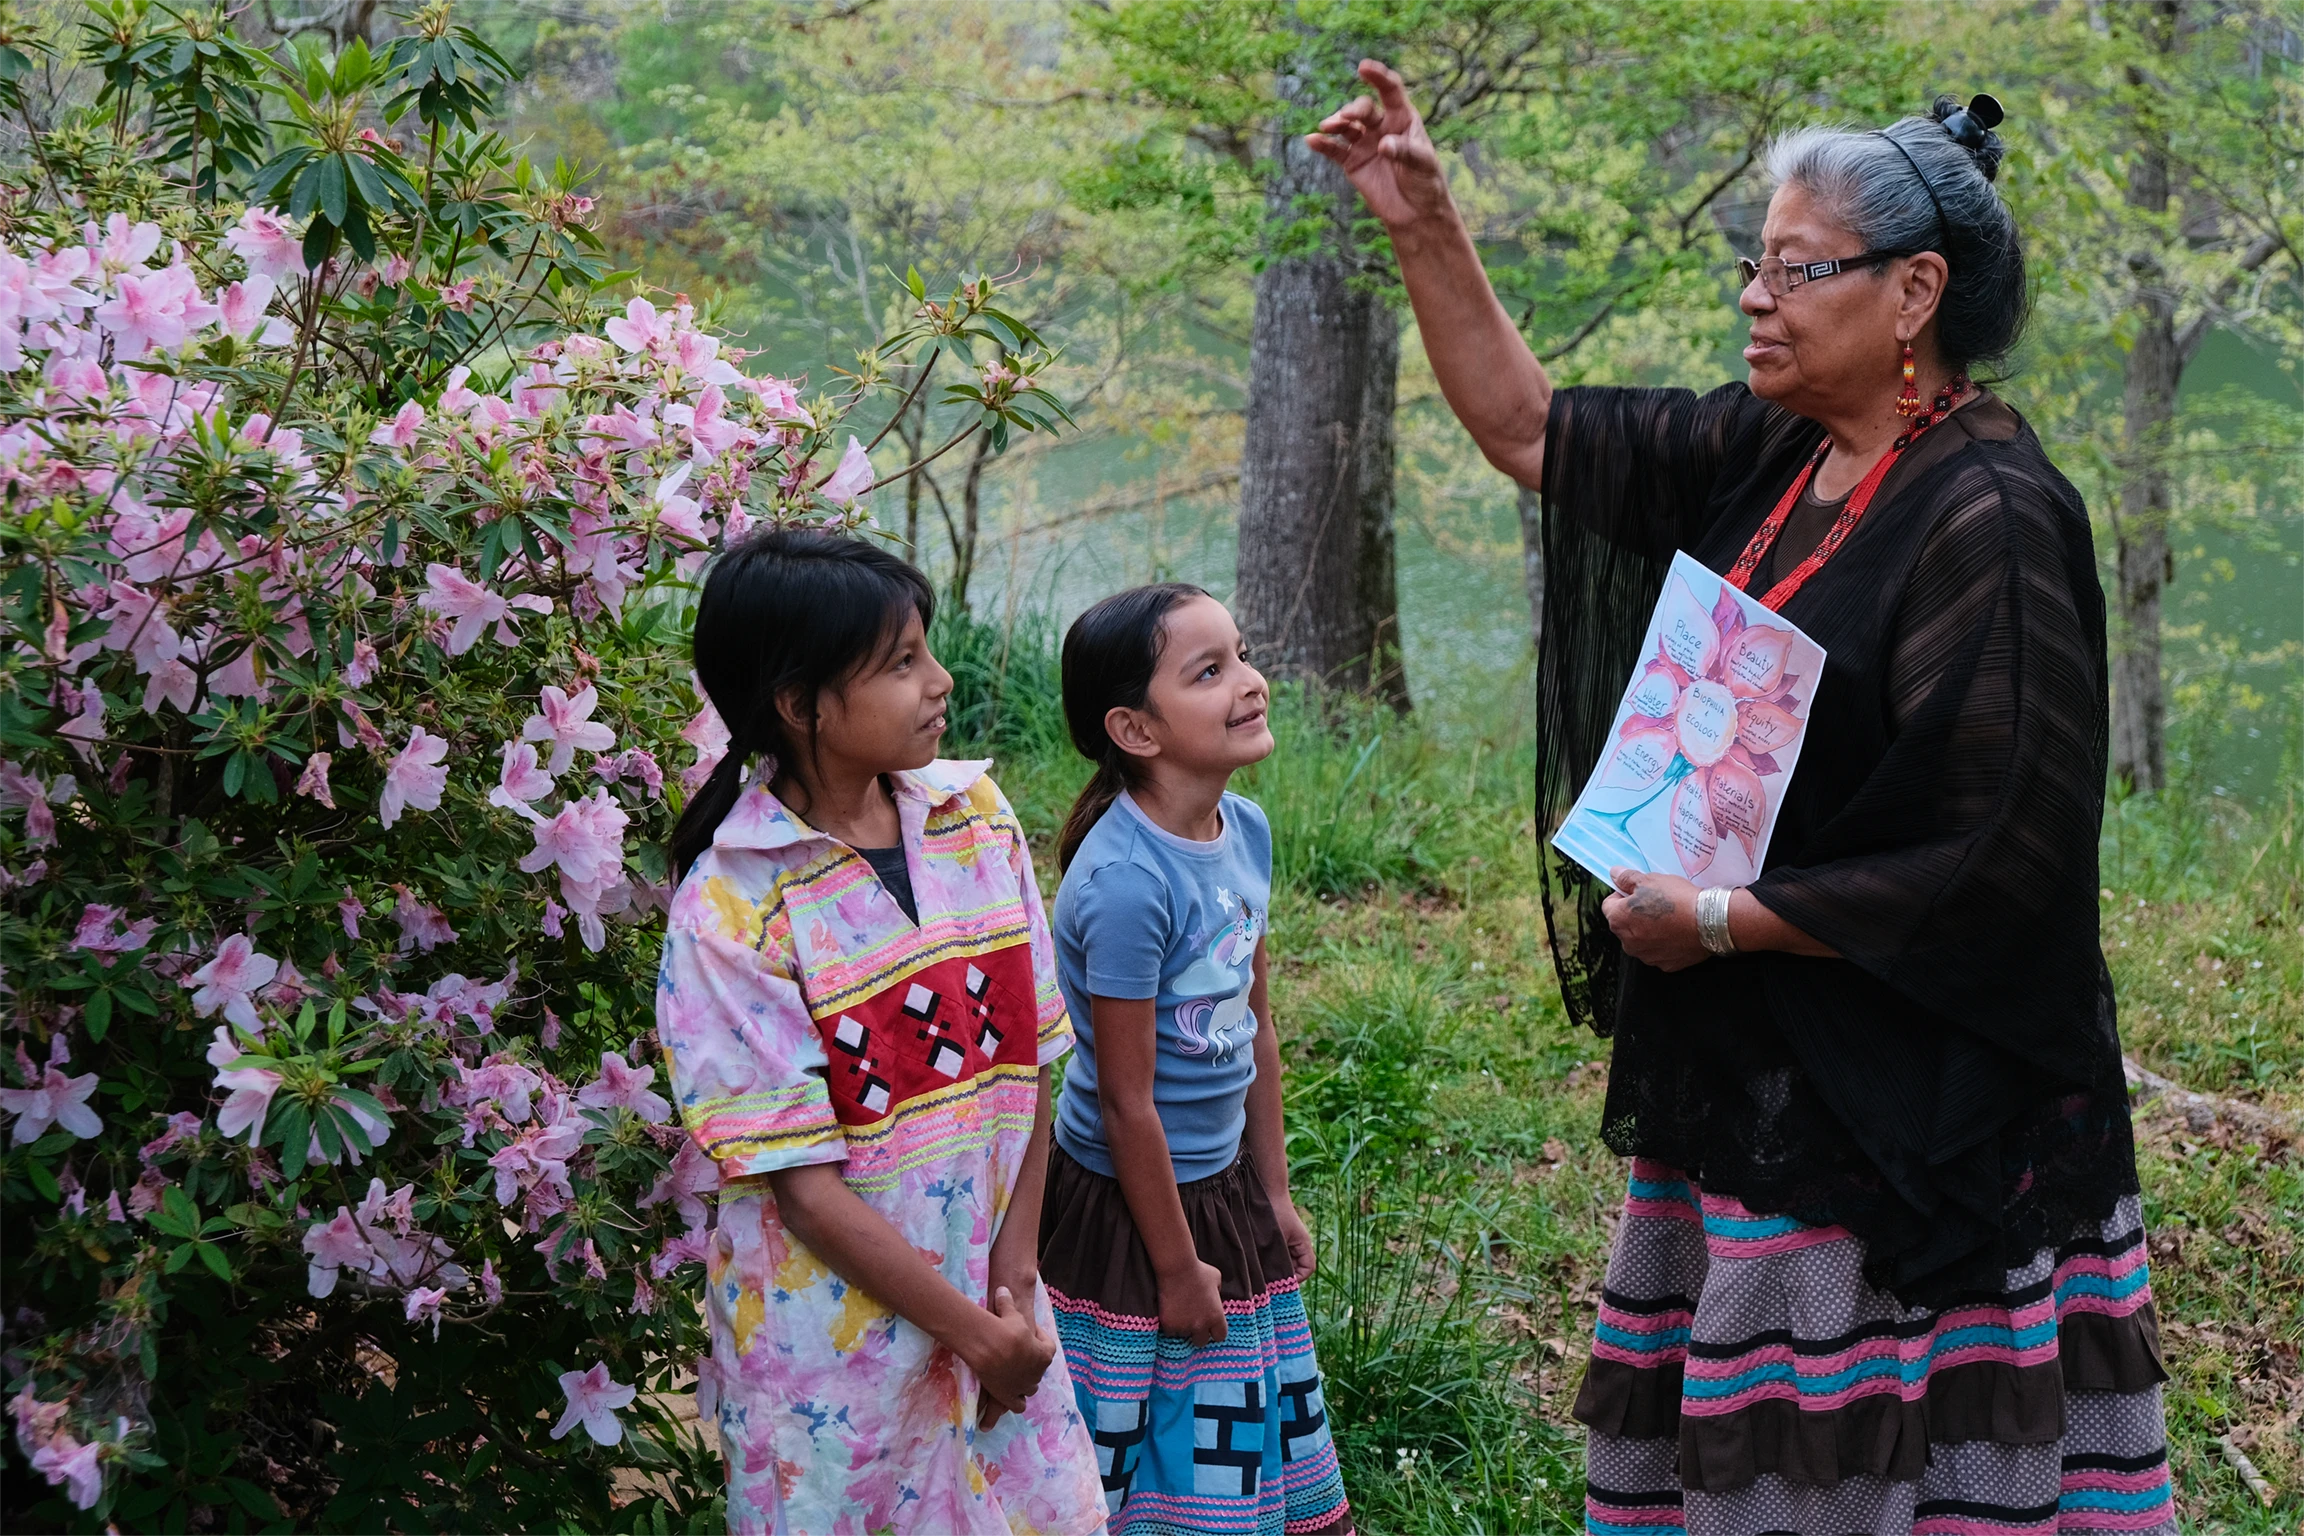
1969,125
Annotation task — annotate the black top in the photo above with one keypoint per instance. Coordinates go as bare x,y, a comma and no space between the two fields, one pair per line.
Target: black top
895,877
1950,1091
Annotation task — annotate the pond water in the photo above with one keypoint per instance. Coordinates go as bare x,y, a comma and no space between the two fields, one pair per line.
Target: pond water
2235,646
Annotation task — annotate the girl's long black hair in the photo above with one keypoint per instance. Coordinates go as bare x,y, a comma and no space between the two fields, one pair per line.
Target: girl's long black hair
786,614
1110,654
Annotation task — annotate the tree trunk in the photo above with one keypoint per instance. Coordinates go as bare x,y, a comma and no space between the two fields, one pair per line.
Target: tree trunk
2154,368
1379,583
1316,469
1532,561
964,539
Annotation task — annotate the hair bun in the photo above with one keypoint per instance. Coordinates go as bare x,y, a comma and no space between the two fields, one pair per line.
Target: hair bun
1971,127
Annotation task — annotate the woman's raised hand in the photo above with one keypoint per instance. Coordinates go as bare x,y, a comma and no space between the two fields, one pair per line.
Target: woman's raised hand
1382,145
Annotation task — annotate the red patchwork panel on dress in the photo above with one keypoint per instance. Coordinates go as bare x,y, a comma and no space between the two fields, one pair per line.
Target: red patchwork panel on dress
939,1026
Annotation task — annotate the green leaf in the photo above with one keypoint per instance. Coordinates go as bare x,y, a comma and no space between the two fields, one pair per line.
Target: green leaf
213,1257
43,1180
99,1013
324,1127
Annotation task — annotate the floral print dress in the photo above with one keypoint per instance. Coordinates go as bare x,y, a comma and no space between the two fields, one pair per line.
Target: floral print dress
808,1020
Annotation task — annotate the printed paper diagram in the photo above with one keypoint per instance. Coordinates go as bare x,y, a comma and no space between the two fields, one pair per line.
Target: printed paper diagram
1705,741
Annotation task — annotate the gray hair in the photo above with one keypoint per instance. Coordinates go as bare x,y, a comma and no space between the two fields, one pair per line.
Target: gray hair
1871,184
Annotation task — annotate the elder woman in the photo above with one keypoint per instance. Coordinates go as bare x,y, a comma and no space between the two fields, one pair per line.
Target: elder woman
1882,1263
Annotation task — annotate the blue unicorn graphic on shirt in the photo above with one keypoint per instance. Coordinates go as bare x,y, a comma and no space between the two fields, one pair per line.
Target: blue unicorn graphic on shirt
1215,1017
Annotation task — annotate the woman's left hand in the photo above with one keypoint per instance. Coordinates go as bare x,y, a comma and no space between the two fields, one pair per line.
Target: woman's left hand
1654,918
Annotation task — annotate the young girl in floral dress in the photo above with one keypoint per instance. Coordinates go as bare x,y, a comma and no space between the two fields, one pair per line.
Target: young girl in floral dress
859,1001
1171,1248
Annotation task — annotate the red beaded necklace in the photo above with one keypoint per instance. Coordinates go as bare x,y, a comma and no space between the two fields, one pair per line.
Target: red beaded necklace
1764,537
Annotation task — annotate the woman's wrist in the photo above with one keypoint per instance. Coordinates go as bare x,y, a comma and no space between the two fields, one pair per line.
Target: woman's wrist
1713,930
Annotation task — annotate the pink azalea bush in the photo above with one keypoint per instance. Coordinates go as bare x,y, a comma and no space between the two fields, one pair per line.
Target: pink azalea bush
344,565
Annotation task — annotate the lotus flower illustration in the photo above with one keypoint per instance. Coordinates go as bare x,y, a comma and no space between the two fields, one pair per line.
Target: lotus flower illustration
1708,712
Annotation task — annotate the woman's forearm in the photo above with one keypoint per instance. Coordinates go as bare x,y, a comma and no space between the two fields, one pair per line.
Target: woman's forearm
1752,925
1491,380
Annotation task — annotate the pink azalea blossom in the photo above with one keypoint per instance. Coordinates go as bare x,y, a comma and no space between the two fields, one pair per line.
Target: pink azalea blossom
312,783
852,479
779,401
66,1462
491,1288
688,1248
251,1090
417,777
633,763
394,269
466,604
180,1128
267,245
424,1303
537,1156
226,981
593,1399
160,309
638,328
586,840
85,705
458,295
567,723
37,1422
693,1173
54,1100
421,926
333,1247
350,910
520,781
96,932
400,432
363,668
708,734
709,428
624,1086
242,307
21,789
455,398
398,1207
138,625
122,245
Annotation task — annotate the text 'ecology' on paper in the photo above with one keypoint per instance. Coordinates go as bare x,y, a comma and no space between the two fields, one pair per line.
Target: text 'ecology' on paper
1695,765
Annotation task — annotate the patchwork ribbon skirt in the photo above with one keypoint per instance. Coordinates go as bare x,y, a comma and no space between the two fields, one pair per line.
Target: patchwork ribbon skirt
1228,1438
1746,1380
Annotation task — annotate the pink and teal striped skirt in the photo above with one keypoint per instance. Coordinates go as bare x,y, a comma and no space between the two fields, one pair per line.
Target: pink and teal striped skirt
1230,1439
1746,1380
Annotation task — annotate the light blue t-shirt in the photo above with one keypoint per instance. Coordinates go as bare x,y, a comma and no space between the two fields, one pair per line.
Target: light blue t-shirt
1145,913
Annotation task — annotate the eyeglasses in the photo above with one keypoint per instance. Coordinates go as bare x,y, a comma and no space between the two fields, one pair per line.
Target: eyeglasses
1781,278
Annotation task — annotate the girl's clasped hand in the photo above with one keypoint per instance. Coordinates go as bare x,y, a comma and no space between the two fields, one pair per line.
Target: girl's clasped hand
931,1289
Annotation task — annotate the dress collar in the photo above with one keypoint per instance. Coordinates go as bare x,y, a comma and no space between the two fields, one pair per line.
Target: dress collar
760,821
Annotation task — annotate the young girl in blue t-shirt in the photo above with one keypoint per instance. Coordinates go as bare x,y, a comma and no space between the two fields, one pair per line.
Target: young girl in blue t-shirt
1169,1245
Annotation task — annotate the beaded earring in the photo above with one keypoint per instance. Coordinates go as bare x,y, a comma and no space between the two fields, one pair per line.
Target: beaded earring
1908,403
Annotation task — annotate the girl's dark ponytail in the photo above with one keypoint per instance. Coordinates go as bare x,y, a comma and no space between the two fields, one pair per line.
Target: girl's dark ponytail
1110,654
1103,788
705,810
785,615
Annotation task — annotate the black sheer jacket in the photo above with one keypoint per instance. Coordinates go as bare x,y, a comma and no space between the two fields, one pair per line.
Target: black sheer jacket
1950,1090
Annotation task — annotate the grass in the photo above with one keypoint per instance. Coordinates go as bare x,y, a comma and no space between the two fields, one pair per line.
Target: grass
1444,1115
